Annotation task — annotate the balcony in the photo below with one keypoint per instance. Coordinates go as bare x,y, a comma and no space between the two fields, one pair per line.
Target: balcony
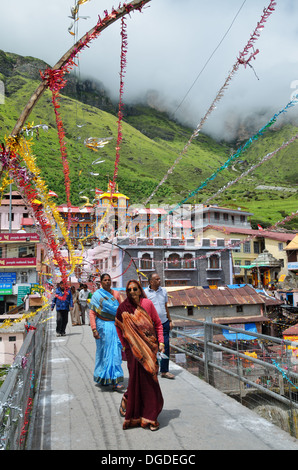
157,242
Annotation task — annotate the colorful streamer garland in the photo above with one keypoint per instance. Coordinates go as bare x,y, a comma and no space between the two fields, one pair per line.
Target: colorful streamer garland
55,83
16,150
120,113
245,173
241,60
33,188
242,149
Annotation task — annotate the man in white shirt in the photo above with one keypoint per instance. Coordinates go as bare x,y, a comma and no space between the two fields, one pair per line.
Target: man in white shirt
158,295
83,296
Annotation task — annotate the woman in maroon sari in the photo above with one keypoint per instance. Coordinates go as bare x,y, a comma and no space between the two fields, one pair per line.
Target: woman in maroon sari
141,334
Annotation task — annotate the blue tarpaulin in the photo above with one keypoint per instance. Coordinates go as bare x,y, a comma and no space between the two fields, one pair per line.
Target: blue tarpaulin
232,335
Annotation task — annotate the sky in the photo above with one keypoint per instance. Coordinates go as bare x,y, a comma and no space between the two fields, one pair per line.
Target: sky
180,53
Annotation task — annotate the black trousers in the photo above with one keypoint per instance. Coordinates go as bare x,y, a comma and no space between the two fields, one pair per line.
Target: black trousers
164,363
62,319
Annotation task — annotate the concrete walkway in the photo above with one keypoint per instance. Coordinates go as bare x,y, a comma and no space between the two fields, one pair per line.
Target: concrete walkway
75,414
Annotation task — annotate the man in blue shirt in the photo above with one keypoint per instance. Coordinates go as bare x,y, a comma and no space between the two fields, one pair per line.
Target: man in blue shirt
62,308
158,295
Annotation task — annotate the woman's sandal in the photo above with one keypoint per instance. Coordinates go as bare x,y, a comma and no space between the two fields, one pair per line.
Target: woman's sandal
153,428
119,388
122,410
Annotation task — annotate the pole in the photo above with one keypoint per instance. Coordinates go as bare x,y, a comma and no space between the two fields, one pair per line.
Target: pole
10,207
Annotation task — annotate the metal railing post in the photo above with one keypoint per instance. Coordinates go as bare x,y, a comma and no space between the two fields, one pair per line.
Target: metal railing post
208,337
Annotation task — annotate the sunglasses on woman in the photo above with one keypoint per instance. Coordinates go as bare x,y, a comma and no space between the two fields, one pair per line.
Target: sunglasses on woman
133,289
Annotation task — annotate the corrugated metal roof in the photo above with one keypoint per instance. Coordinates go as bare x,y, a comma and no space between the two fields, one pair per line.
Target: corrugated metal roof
291,331
205,297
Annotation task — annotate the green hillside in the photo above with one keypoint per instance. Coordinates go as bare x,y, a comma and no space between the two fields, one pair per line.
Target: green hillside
151,144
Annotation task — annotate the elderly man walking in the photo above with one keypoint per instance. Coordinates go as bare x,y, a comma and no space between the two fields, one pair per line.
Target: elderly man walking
158,295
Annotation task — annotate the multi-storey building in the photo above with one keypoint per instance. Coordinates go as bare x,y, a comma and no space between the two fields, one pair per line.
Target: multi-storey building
21,253
204,215
249,248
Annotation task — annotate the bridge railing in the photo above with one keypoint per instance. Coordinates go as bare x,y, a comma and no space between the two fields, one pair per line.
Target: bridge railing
259,371
18,392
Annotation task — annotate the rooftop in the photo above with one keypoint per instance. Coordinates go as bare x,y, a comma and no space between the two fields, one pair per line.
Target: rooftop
221,296
280,236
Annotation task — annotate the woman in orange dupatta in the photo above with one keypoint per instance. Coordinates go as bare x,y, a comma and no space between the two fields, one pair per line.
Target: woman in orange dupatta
141,334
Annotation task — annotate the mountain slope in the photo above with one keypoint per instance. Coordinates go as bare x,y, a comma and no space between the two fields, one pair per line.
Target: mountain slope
151,144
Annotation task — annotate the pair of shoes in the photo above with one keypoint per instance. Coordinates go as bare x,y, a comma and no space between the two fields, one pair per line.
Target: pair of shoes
122,410
154,428
58,334
119,388
167,375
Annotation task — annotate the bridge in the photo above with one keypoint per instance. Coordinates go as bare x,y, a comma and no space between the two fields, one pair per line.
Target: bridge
70,412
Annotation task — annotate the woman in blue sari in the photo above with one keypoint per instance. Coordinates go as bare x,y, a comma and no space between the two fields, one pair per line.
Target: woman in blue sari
103,307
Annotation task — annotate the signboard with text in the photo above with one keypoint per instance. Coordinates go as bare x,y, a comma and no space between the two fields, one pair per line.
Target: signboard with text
22,291
6,291
17,262
19,237
8,277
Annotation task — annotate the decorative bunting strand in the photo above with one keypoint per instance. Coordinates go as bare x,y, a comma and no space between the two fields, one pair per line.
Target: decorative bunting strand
245,173
56,82
239,152
67,59
9,155
240,61
120,114
42,216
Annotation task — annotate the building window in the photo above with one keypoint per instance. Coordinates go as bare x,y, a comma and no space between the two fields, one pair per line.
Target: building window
214,262
216,215
174,261
175,282
256,247
239,308
226,217
114,261
242,219
12,338
235,244
146,261
280,246
189,310
246,247
188,261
